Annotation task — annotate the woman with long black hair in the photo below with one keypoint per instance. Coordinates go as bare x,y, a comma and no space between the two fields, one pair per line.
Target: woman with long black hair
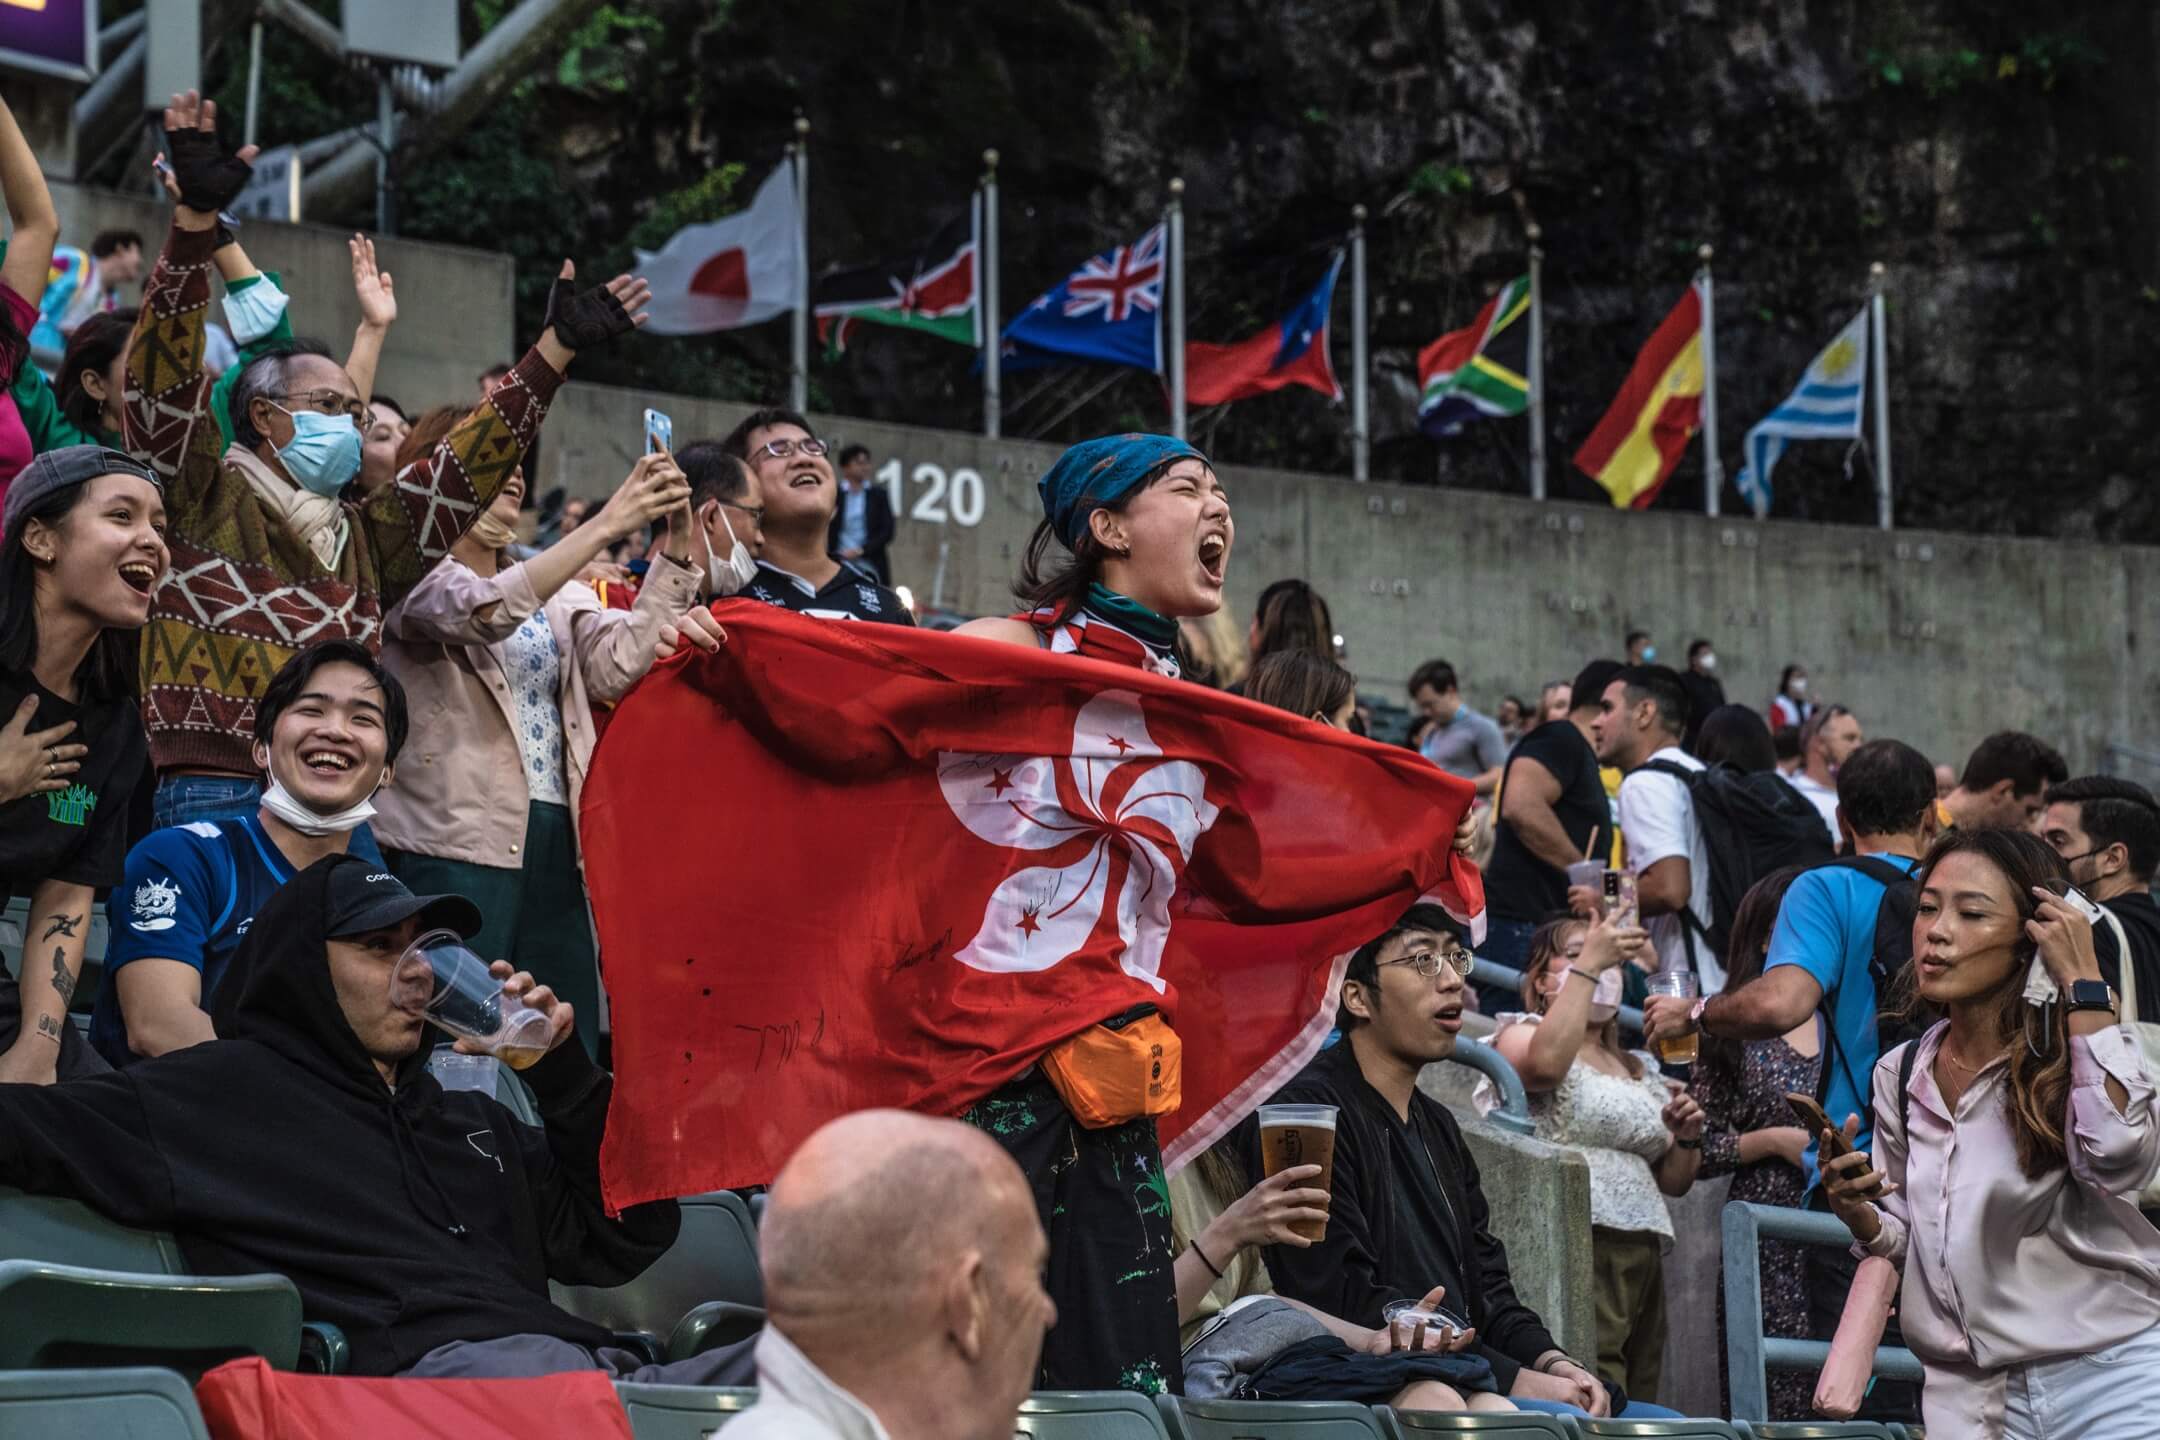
84,547
2012,1140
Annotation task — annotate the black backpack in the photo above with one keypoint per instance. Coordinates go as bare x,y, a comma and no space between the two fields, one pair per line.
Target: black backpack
1752,823
1889,966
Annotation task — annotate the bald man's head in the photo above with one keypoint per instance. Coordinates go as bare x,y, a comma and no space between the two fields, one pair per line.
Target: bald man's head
923,1233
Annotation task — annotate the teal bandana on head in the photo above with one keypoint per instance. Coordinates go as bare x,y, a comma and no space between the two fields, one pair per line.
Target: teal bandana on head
1096,473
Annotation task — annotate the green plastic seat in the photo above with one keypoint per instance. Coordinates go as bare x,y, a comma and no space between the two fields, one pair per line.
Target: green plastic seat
129,1404
1273,1419
680,1412
1090,1415
1505,1425
704,1292
1814,1430
1668,1429
77,1289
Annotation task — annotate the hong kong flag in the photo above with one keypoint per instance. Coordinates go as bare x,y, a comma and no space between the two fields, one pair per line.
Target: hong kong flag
844,866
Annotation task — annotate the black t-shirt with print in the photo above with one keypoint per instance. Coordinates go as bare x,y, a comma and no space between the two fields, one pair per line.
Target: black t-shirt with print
852,594
1518,885
77,835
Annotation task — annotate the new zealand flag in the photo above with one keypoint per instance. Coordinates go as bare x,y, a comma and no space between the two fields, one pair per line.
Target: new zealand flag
1108,312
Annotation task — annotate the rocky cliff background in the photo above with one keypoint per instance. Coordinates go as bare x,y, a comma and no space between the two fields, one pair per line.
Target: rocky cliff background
2002,159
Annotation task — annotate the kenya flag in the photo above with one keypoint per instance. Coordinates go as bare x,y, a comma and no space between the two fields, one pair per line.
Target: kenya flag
933,292
845,866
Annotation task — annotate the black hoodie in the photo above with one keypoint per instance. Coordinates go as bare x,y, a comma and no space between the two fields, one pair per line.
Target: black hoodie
409,1218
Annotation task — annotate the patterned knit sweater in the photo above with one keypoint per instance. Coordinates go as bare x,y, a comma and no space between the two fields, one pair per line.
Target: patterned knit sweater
245,592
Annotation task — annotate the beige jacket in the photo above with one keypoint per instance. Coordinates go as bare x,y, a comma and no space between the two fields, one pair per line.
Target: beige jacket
459,791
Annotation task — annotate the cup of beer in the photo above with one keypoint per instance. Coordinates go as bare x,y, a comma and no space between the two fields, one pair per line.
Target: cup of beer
440,979
1676,1049
1300,1135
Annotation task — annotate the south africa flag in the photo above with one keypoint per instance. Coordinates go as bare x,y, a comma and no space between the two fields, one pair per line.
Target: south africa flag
1478,372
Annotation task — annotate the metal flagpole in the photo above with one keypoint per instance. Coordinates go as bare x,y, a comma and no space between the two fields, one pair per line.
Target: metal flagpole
1880,343
1537,365
1360,422
1174,231
799,362
986,298
1713,469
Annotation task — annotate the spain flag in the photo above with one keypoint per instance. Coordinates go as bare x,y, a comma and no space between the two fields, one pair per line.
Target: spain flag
1657,411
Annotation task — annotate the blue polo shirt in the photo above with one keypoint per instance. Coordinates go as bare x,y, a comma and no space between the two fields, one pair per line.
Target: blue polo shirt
189,894
1827,927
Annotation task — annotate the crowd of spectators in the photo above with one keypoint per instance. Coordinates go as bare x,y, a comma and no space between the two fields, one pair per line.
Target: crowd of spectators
289,685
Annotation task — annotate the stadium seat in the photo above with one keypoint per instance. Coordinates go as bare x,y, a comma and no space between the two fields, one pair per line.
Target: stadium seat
138,1404
1090,1415
77,1289
680,1412
1274,1419
1518,1425
1656,1429
714,1259
1813,1430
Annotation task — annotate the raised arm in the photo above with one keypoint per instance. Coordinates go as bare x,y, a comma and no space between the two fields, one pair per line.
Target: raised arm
415,519
378,312
35,223
164,418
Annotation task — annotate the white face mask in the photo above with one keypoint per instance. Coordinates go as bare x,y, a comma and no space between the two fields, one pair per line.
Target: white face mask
1799,685
726,577
282,803
1708,661
1605,1000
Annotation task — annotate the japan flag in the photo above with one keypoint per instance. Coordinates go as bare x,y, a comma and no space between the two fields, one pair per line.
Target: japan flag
728,273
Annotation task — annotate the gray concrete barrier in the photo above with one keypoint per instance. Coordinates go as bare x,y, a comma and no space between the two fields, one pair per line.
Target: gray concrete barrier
1937,639
454,305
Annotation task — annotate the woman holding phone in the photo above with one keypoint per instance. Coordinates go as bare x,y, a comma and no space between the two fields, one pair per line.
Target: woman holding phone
2011,1142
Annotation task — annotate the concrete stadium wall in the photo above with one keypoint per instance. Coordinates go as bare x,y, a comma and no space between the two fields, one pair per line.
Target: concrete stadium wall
1938,639
454,305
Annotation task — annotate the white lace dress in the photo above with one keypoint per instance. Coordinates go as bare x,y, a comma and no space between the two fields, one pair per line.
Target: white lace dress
1618,1125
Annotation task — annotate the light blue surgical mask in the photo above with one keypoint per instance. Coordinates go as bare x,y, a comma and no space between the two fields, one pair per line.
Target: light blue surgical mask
1649,653
324,452
253,312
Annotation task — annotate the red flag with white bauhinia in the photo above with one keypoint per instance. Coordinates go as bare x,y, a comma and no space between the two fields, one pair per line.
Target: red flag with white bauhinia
844,866
731,272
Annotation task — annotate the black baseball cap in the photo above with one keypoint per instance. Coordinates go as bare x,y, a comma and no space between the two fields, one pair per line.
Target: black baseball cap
1592,682
359,898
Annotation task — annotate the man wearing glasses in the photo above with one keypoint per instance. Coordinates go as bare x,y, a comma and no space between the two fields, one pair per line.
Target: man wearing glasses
1407,1211
795,480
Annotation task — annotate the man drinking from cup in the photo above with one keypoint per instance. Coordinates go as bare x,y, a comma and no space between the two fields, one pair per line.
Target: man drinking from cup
309,1140
1406,1211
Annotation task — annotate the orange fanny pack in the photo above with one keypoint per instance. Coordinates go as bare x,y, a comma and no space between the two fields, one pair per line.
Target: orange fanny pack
1107,1077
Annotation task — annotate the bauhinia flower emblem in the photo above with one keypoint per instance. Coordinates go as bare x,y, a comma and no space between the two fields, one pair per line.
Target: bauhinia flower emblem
1118,823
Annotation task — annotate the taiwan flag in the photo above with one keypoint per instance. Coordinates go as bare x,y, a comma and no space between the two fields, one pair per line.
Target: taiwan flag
1035,843
1291,352
729,273
1108,312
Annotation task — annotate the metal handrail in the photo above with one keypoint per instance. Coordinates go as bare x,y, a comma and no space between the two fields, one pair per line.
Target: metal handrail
1507,977
1514,1108
1748,1352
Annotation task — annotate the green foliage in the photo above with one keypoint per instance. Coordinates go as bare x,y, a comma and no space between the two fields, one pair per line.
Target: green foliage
1441,182
709,197
2042,60
603,55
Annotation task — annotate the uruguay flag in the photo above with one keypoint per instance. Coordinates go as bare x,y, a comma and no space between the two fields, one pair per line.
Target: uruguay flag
1825,406
1293,351
1109,311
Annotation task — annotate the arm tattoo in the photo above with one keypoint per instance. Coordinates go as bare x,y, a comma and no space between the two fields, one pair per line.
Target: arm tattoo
62,925
63,984
49,1028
